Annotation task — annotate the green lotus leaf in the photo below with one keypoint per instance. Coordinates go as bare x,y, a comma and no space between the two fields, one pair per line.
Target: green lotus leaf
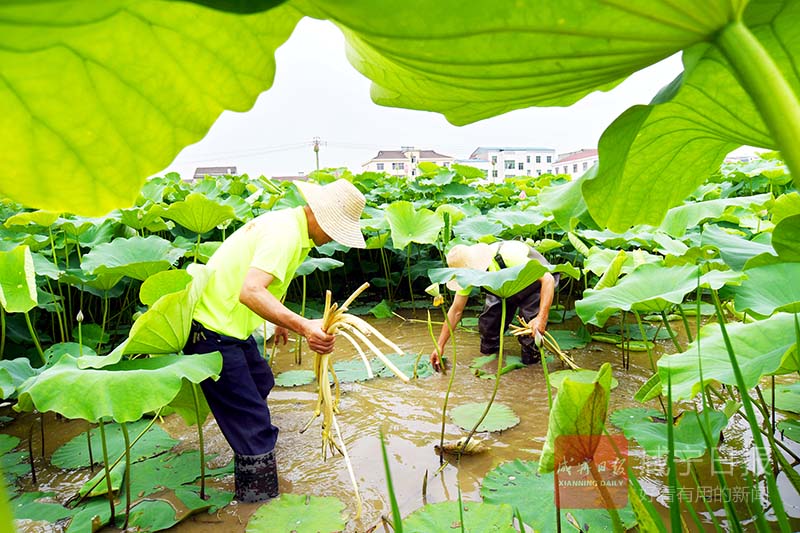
183,404
353,370
323,264
97,484
161,283
75,452
762,348
651,434
108,126
569,340
12,464
17,280
13,373
786,238
299,514
735,251
151,515
581,375
503,283
787,397
785,206
790,429
54,352
136,257
651,389
189,495
499,418
511,363
599,259
27,506
164,328
198,213
405,363
690,215
99,284
444,517
146,217
410,225
116,391
38,218
579,409
168,471
769,288
7,443
521,485
89,515
296,378
382,309
530,219
565,202
478,228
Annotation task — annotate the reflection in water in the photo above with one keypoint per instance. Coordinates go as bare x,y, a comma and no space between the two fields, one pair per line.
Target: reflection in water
410,417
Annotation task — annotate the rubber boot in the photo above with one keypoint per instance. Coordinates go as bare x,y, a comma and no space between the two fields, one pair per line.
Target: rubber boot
256,477
530,355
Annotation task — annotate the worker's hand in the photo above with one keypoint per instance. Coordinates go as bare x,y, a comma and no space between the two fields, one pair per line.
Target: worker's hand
538,324
281,333
436,361
318,340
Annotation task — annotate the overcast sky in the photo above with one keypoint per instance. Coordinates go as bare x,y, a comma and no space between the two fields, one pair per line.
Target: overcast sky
317,93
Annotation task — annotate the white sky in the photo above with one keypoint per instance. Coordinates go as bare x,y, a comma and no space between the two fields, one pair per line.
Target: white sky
318,93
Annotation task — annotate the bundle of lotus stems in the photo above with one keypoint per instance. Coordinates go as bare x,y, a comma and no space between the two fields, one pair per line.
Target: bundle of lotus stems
546,340
336,321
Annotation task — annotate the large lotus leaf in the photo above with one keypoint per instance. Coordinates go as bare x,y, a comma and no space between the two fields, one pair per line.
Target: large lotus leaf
679,219
735,251
444,517
13,373
569,340
785,206
162,283
12,464
39,218
296,378
354,370
787,397
7,443
519,484
169,472
75,452
581,375
27,506
504,282
17,280
478,228
323,264
145,217
405,363
89,515
136,257
599,259
410,225
199,213
164,328
299,514
530,219
151,515
109,116
116,391
690,126
500,417
790,429
770,288
651,433
189,495
786,238
55,351
762,348
579,409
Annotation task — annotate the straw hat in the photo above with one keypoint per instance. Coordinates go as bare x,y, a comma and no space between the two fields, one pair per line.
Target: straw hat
477,256
337,207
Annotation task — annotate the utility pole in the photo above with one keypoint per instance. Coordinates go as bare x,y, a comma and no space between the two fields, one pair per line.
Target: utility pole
316,142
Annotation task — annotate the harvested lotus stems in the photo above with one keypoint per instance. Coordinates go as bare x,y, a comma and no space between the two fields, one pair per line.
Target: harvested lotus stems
336,321
543,340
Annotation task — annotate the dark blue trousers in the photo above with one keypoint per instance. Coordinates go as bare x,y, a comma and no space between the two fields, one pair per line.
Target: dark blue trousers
238,397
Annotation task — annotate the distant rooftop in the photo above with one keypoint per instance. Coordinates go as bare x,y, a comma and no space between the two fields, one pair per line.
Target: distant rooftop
482,150
401,154
201,172
579,154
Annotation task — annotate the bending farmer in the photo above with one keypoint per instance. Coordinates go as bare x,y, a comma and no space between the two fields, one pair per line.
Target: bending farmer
533,301
250,273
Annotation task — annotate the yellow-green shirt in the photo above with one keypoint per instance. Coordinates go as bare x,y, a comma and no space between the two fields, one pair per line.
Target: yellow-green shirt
277,243
514,253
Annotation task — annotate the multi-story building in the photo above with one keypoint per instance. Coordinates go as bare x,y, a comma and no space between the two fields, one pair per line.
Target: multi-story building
576,163
404,162
201,172
505,161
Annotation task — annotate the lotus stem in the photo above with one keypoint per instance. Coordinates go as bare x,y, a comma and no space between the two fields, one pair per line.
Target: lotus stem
89,445
646,343
547,381
127,441
610,508
109,488
671,333
196,399
397,521
399,373
34,337
41,429
30,454
359,504
2,332
685,321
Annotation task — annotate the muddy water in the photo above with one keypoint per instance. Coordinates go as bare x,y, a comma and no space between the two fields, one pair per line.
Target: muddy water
410,417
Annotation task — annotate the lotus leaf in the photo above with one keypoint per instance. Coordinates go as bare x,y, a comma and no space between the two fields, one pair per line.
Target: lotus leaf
599,259
26,505
162,283
295,378
89,515
499,418
12,464
75,452
530,493
169,472
323,264
148,217
17,280
569,340
136,257
409,225
735,251
404,362
679,219
299,514
115,392
479,517
478,228
503,283
183,404
787,397
636,346
762,348
785,206
39,218
786,238
581,375
92,335
97,484
651,389
55,351
215,499
651,434
381,310
512,362
13,373
199,214
456,213
151,515
790,429
579,409
769,288
530,219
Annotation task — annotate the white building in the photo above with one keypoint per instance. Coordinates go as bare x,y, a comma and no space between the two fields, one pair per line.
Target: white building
576,163
506,162
404,162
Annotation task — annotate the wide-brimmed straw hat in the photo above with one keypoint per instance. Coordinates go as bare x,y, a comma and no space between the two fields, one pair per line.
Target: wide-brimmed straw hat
476,256
337,207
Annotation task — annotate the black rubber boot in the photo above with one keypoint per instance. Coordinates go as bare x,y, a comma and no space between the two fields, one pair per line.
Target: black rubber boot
256,477
530,355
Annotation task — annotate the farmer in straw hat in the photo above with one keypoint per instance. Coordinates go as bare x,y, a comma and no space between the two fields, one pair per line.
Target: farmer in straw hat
250,273
533,301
